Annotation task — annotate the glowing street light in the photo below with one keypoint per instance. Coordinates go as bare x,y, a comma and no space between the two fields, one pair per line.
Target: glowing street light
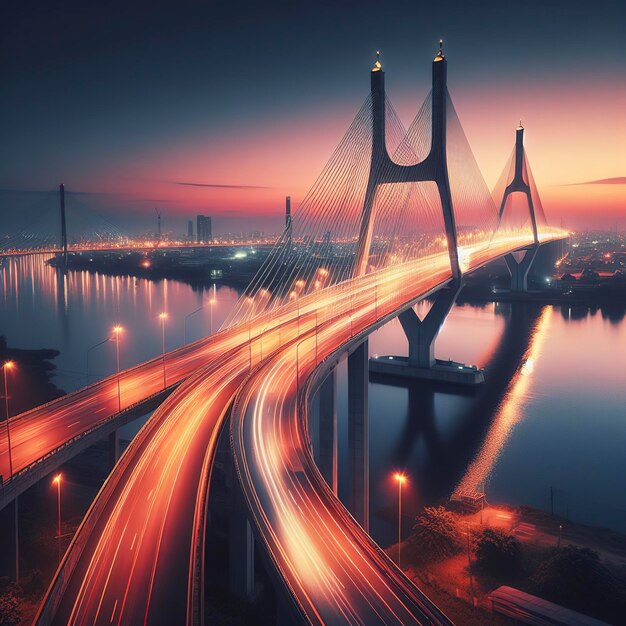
8,365
57,481
117,330
212,301
163,316
400,479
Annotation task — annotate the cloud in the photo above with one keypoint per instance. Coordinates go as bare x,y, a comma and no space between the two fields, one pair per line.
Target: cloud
616,180
218,186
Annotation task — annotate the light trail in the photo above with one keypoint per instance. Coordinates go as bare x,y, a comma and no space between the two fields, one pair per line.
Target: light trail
124,565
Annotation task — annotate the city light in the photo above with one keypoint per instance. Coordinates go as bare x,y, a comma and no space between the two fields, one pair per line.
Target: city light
57,481
400,478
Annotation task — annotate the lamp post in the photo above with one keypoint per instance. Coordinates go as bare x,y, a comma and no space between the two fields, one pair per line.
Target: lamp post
96,345
211,303
57,481
116,332
163,317
400,479
185,323
8,365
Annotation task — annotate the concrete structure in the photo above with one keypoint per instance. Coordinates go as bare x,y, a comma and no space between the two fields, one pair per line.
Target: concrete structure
358,435
327,421
42,467
433,168
421,334
204,230
241,544
519,267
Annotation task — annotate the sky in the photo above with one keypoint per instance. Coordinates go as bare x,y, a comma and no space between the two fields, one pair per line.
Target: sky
125,100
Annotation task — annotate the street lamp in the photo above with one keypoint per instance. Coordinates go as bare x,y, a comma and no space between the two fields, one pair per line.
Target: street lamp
400,479
8,365
116,332
212,301
96,345
57,481
163,317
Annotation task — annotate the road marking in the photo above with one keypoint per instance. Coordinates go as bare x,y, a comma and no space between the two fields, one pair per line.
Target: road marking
132,545
74,423
150,494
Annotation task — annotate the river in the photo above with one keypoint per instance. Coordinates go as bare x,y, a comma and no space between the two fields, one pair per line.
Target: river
550,418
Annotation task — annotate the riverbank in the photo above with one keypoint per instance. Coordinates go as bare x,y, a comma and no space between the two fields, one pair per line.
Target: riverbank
30,380
536,548
199,268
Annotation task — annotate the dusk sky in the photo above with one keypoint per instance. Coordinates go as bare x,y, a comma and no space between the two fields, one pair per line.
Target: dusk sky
126,100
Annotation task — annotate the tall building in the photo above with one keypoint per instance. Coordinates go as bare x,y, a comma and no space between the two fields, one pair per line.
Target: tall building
288,212
190,230
203,228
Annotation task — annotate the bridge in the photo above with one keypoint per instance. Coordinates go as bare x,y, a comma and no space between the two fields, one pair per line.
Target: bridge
396,216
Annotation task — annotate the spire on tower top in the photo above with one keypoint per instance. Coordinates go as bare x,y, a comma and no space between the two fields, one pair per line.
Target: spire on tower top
377,65
440,56
520,127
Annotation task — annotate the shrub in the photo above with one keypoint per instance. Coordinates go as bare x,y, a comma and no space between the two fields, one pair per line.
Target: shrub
575,577
9,608
436,534
497,552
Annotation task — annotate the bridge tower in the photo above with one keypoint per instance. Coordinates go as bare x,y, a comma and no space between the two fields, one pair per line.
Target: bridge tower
421,333
519,268
63,224
434,168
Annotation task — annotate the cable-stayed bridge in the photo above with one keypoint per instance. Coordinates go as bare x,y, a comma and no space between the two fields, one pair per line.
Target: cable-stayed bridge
394,217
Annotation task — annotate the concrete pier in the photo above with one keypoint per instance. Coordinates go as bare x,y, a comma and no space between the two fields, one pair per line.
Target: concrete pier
327,423
441,371
518,269
358,435
421,334
114,447
241,545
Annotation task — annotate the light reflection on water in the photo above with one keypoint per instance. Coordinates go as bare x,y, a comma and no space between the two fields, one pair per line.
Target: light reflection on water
44,308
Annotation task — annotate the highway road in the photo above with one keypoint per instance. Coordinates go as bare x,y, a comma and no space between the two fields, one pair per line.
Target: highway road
136,557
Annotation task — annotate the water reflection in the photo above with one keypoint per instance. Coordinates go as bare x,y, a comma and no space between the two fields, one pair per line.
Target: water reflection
510,411
70,311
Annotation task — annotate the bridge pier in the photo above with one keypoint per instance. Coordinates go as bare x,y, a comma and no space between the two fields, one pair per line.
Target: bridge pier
241,544
519,269
114,447
327,424
9,522
358,435
421,334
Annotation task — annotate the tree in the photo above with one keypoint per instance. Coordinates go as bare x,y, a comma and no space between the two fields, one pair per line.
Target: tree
575,577
436,534
497,552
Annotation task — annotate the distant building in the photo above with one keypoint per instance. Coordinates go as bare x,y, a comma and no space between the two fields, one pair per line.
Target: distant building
203,228
190,230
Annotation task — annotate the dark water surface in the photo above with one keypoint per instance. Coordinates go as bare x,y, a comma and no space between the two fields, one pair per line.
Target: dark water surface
552,413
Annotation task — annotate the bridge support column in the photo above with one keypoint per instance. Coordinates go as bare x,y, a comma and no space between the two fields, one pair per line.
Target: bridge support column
422,334
114,447
10,556
358,435
327,458
241,544
519,269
